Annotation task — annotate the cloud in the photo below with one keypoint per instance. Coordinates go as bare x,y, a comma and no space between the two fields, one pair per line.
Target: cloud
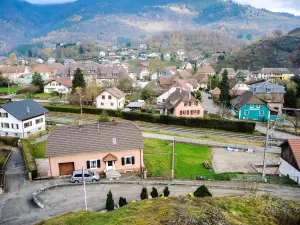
41,2
290,6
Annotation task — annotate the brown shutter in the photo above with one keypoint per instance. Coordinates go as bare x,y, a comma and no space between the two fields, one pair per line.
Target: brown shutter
88,165
98,163
132,160
123,161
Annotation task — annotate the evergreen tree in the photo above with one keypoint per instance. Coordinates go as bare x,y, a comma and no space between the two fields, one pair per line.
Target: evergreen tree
290,98
122,201
29,53
166,191
38,81
202,191
154,193
144,194
224,97
162,57
81,50
110,204
78,80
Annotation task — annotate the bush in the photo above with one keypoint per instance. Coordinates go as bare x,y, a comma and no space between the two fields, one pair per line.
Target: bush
210,123
166,191
29,89
144,194
54,94
202,191
122,201
103,117
110,204
154,193
12,141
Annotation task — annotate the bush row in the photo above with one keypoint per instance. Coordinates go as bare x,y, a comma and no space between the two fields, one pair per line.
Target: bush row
210,123
12,141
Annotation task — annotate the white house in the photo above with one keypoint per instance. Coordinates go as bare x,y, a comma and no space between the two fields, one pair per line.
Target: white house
111,98
161,99
290,159
22,118
102,54
237,87
186,66
39,60
61,85
51,60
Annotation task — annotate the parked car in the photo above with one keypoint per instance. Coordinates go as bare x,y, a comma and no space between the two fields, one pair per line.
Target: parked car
209,96
89,176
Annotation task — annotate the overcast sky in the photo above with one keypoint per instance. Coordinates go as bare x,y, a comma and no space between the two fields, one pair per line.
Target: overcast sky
291,6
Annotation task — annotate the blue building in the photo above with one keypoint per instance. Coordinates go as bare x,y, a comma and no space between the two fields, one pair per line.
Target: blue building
250,107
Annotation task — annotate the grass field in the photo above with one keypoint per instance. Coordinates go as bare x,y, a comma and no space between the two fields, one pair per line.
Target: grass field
188,159
11,90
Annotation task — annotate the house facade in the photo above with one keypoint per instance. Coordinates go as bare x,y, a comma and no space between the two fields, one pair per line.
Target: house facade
237,87
290,159
21,119
102,148
249,107
112,98
60,85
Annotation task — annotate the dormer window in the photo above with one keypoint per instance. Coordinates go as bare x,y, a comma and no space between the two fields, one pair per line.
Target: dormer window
114,141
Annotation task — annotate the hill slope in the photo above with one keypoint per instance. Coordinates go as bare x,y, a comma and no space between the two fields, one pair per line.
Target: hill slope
183,210
105,20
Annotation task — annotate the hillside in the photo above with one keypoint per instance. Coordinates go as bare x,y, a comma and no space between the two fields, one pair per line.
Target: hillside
278,52
104,21
183,210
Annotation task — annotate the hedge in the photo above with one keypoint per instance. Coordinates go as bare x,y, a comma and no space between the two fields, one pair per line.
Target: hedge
211,123
12,141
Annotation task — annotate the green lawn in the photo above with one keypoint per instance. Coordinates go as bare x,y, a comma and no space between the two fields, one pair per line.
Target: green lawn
39,150
11,90
188,159
31,152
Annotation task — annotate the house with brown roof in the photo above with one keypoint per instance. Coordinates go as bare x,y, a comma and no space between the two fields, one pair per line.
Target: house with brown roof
206,70
14,72
111,98
231,72
110,148
61,85
290,159
216,92
237,87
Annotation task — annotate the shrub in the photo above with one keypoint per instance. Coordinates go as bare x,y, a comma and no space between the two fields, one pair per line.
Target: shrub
110,204
12,141
103,117
29,89
122,201
202,191
144,193
54,94
210,123
166,191
154,193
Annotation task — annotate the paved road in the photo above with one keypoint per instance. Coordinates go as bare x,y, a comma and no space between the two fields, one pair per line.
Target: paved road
208,104
278,134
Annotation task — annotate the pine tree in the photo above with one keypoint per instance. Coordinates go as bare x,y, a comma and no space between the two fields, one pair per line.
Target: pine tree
29,53
154,193
202,191
78,80
162,58
122,201
224,97
144,194
166,191
110,204
38,81
81,50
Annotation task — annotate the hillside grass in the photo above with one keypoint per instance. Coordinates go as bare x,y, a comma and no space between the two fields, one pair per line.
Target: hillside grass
254,210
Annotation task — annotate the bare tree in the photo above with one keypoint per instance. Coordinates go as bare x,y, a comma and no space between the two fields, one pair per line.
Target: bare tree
224,113
295,119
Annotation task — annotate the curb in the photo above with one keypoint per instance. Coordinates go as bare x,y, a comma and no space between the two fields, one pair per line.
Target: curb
39,191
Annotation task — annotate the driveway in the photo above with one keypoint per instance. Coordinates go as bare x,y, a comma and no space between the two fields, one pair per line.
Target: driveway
260,127
208,104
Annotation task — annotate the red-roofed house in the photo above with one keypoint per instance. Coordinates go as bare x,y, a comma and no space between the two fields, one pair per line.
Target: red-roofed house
290,159
61,85
206,70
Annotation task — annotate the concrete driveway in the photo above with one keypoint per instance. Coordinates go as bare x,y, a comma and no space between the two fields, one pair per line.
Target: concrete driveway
208,104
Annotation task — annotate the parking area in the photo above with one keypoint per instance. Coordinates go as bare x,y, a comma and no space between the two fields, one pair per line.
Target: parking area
224,161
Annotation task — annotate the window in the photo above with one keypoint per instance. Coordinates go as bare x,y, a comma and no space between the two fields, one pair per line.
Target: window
180,112
103,96
197,103
114,141
128,160
261,113
12,126
111,104
5,125
246,113
109,97
185,104
251,106
190,104
258,106
93,164
198,111
4,115
188,112
102,103
39,121
28,124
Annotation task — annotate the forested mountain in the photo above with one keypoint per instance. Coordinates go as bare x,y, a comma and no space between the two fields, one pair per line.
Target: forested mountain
106,20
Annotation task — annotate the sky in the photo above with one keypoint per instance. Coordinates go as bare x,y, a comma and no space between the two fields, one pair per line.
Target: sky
291,6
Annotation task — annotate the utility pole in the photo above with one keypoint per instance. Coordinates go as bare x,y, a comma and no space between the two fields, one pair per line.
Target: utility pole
79,92
264,160
8,91
173,159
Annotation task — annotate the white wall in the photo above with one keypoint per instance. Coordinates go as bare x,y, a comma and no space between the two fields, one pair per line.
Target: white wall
160,99
107,103
55,86
21,131
286,169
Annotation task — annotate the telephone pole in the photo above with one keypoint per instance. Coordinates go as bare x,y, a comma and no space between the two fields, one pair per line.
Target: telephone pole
265,149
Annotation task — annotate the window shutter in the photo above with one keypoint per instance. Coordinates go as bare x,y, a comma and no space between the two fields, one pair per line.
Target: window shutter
88,164
132,160
123,161
98,163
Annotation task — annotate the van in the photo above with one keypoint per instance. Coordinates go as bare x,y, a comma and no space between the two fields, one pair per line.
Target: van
89,176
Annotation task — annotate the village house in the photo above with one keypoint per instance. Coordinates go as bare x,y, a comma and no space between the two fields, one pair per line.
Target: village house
182,104
14,72
60,85
290,159
51,60
111,98
237,87
250,107
137,105
111,148
274,73
22,118
193,84
206,70
186,66
216,92
231,73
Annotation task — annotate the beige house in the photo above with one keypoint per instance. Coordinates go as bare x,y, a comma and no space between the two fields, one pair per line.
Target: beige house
110,148
111,98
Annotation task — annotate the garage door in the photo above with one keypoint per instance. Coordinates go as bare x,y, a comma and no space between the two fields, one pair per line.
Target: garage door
66,168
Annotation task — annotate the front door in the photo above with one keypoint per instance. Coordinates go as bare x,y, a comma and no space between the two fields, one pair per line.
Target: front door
110,165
